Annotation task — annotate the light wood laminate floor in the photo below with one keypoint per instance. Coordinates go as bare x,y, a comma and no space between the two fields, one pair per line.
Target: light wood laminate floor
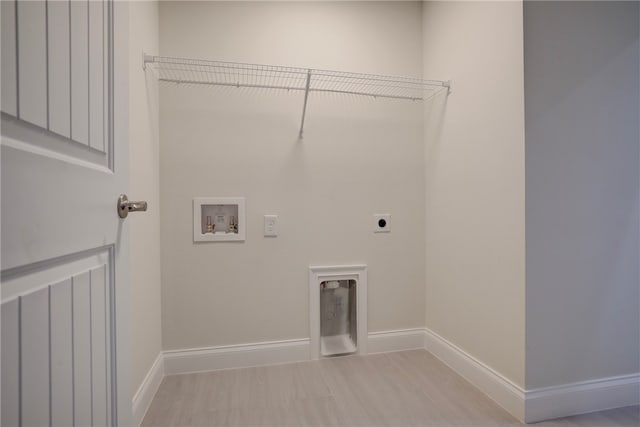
408,388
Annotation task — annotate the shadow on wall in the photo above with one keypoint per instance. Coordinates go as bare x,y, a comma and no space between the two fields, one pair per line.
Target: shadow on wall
153,99
434,117
582,96
574,61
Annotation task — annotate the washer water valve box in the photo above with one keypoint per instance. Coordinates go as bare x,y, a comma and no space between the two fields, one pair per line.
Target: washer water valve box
219,219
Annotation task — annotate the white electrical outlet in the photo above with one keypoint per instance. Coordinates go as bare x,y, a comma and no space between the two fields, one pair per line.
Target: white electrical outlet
382,223
271,225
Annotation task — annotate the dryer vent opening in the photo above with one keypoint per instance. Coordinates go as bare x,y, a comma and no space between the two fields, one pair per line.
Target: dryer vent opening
338,317
337,310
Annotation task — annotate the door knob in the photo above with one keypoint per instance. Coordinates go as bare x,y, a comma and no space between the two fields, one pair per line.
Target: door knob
125,206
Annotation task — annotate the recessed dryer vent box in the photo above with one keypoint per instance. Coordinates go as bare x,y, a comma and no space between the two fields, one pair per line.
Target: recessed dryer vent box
218,219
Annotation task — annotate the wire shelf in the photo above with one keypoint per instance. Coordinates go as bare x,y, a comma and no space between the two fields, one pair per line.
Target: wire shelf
241,75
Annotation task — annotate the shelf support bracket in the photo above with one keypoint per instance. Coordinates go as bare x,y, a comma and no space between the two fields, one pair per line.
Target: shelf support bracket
304,106
146,59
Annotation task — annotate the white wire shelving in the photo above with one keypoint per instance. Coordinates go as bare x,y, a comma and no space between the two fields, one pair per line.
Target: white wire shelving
242,75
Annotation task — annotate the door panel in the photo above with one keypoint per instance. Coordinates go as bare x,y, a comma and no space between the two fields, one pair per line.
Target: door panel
54,67
59,47
32,62
81,348
10,353
61,354
79,72
57,339
9,77
96,75
34,350
99,346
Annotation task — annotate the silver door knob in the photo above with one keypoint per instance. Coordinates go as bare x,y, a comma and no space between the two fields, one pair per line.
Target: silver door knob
125,206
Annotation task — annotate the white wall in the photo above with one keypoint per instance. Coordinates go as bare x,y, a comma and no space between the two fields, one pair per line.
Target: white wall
582,90
359,157
144,184
475,271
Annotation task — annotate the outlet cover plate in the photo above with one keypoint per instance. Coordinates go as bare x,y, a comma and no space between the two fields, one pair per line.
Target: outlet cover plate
271,225
382,223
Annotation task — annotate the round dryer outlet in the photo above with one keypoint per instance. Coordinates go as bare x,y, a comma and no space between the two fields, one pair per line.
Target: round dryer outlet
382,223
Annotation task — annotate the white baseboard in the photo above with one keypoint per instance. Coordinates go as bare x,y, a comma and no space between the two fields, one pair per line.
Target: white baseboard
235,356
143,397
276,352
583,397
539,404
504,392
388,341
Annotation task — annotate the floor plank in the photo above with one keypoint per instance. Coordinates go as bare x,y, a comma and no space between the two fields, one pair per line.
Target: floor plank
408,388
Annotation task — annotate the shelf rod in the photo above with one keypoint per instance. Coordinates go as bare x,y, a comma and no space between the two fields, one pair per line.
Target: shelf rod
236,85
373,95
304,106
196,82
